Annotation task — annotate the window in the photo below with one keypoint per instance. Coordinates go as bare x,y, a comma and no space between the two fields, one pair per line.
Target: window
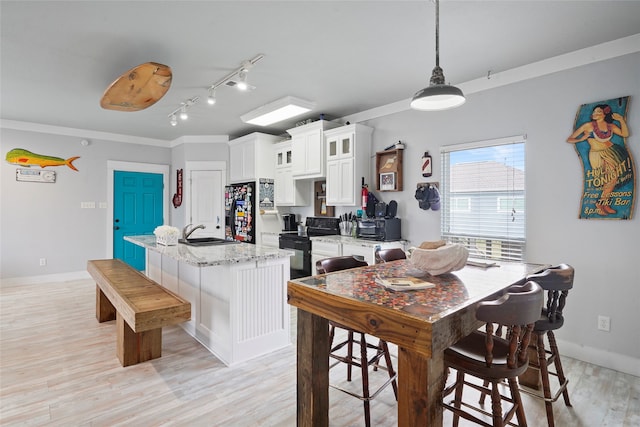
460,204
483,197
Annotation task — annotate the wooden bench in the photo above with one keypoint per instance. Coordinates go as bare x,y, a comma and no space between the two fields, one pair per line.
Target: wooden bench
140,306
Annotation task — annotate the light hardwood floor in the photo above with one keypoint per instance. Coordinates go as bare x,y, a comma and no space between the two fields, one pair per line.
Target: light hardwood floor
58,367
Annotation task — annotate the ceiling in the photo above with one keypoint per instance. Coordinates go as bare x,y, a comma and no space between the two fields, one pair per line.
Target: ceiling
58,57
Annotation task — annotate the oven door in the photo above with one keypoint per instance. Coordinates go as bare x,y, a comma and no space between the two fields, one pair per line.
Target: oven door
301,260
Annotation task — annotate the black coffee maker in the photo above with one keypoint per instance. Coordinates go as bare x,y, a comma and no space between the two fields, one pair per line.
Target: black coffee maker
289,222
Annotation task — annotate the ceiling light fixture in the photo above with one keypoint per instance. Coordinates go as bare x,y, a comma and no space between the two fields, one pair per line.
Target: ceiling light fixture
182,110
277,111
242,83
211,99
438,95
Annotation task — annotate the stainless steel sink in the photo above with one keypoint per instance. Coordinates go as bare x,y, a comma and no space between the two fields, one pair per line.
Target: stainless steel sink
206,241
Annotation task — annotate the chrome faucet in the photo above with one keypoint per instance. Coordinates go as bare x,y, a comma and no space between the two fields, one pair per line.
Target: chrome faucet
186,232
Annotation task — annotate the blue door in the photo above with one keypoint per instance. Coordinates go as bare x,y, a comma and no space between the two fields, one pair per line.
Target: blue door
137,209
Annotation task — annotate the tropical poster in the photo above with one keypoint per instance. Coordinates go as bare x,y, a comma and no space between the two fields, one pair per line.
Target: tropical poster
600,136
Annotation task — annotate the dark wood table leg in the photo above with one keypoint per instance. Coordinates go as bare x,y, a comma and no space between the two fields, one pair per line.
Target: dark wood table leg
313,370
420,384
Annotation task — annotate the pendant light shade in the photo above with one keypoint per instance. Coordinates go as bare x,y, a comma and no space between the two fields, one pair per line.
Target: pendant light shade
438,95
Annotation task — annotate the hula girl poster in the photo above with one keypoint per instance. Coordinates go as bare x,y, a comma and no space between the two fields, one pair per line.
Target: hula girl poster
599,137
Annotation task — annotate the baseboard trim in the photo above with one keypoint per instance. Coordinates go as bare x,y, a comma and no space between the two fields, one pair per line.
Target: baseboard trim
45,278
606,359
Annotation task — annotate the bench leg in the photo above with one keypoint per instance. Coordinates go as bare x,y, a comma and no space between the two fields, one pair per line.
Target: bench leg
138,347
105,311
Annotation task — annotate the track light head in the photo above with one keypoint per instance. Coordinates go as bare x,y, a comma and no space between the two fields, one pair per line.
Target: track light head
242,83
183,112
173,120
211,100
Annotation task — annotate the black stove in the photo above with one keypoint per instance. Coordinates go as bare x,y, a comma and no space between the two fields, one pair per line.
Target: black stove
300,243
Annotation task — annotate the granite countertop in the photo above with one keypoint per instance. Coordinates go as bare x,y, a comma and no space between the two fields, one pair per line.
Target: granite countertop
366,243
203,256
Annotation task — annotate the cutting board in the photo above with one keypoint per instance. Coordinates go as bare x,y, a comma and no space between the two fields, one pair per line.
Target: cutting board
138,88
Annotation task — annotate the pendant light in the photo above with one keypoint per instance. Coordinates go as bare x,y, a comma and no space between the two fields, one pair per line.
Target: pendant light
438,95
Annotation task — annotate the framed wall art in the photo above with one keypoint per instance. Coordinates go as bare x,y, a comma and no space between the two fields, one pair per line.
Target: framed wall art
600,139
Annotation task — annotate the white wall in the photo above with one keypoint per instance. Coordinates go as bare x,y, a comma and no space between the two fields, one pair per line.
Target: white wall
43,220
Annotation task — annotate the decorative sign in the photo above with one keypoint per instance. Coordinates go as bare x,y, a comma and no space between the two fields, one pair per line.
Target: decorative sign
609,172
266,193
426,165
177,198
32,175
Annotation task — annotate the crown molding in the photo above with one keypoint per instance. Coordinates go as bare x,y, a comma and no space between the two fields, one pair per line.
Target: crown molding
81,133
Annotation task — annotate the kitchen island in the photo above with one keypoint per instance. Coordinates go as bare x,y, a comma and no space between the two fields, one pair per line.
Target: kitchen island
238,294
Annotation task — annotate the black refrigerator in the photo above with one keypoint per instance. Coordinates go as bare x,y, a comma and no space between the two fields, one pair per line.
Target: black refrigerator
239,207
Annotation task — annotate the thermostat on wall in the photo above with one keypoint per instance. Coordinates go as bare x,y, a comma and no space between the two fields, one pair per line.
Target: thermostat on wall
33,175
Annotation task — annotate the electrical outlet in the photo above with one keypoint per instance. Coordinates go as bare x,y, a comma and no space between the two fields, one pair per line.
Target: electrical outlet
604,323
43,262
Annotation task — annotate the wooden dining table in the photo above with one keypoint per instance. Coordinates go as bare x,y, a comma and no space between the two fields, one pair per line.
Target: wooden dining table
422,323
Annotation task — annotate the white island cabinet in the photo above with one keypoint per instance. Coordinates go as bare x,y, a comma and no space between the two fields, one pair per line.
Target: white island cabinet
238,294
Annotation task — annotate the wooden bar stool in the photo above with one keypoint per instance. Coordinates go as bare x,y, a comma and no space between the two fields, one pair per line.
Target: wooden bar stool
329,265
489,357
557,281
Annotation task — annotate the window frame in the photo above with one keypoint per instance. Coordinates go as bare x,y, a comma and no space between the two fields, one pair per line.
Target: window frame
487,243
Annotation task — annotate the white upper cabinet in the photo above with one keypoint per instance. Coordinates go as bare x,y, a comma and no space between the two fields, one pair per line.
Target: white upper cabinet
247,157
288,192
308,149
348,160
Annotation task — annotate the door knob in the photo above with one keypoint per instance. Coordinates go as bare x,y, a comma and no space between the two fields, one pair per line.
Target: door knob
116,228
117,220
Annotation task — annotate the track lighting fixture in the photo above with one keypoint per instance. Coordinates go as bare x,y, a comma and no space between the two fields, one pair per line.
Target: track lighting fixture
182,110
438,95
239,73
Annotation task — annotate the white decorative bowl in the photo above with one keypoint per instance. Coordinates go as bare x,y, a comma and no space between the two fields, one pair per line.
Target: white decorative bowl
445,259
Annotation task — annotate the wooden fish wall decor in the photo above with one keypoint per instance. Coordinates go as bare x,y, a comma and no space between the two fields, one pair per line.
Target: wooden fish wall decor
22,157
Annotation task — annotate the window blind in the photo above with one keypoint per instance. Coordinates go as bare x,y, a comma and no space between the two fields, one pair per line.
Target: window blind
483,197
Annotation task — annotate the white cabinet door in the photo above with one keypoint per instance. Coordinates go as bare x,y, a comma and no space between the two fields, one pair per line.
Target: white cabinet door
283,184
242,162
308,149
340,183
348,161
308,155
340,146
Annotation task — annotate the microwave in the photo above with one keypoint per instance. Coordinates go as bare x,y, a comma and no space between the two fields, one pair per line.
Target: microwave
381,229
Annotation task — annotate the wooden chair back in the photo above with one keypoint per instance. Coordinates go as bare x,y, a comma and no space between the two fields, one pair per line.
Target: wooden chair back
517,310
392,254
328,265
557,281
